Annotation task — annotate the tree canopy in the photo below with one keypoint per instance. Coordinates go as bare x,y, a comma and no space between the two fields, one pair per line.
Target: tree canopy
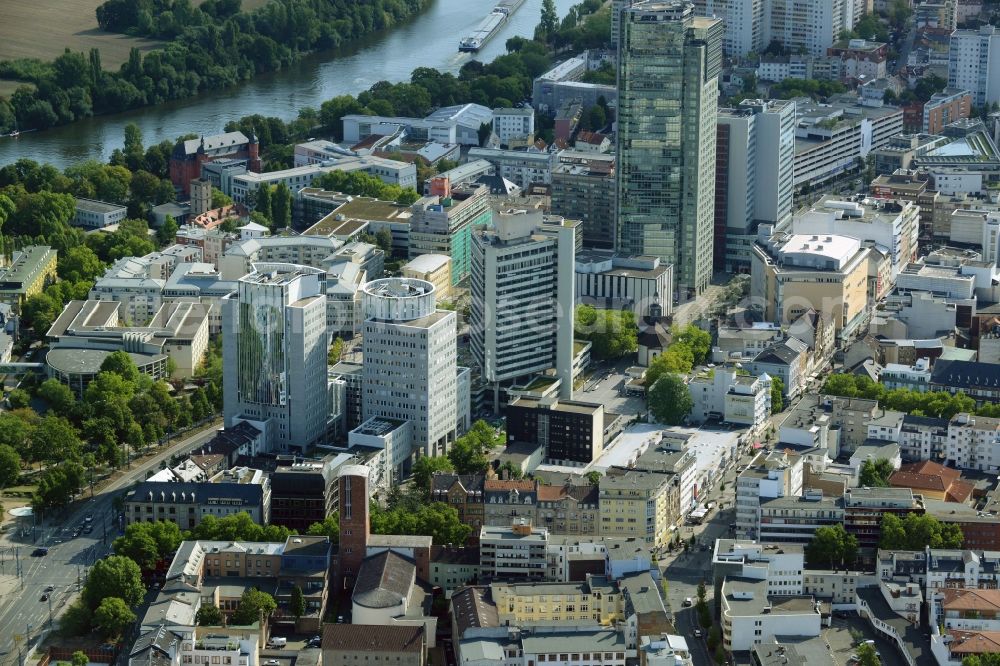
875,473
669,399
612,333
917,531
832,546
254,606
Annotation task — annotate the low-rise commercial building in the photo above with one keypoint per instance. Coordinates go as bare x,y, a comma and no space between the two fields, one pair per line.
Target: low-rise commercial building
91,214
607,280
240,490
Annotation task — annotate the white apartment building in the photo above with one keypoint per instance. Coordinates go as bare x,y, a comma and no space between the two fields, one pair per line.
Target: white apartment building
831,137
751,616
523,276
770,475
243,187
183,642
811,26
893,224
780,567
744,21
974,443
786,520
344,314
807,25
518,166
449,124
724,392
974,63
301,250
410,361
514,125
274,349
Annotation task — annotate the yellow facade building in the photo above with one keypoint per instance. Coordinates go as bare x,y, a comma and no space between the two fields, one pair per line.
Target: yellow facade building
792,273
32,269
433,268
555,604
640,504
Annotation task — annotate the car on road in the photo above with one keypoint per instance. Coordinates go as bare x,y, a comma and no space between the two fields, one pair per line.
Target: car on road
688,601
45,597
88,529
89,518
50,588
40,552
272,662
697,633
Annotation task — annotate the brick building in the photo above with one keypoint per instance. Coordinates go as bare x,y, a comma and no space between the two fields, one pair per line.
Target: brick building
188,156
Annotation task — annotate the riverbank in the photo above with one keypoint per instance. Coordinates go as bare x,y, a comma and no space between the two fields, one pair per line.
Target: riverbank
208,48
347,71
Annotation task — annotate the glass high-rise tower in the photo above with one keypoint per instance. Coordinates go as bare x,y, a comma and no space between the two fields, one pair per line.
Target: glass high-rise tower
668,66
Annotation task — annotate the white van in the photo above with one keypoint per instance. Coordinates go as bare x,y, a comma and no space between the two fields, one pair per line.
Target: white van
278,641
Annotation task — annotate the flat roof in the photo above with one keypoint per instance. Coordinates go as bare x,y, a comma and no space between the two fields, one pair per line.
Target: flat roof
94,206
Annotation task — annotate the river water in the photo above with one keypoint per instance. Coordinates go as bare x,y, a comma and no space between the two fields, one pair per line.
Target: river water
430,40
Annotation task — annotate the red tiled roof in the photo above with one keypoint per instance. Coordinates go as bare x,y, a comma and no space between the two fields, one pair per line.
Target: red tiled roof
970,599
974,642
520,485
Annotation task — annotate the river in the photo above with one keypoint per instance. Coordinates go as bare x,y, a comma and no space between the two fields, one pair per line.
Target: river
430,40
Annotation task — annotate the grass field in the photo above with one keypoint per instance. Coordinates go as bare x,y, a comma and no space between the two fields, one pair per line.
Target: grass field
43,28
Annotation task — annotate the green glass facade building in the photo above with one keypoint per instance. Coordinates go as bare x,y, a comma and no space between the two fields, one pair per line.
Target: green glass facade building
669,63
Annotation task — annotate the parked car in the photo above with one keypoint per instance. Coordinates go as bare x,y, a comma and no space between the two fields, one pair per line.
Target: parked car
40,552
688,602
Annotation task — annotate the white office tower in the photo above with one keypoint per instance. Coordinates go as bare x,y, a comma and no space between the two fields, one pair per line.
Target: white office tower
523,273
274,345
755,156
411,361
974,63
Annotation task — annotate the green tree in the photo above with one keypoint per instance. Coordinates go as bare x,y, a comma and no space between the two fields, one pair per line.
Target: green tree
10,466
254,606
509,471
220,199
777,395
425,467
330,528
121,364
468,457
612,333
281,206
19,399
79,659
58,396
336,351
435,519
875,473
695,339
867,656
114,576
167,232
111,617
832,546
78,264
209,615
669,399
383,238
593,477
297,604
262,202
549,23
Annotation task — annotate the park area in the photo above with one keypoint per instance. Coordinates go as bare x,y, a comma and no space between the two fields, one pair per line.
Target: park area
44,28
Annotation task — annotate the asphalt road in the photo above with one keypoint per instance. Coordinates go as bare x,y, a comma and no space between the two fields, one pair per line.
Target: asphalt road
23,615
